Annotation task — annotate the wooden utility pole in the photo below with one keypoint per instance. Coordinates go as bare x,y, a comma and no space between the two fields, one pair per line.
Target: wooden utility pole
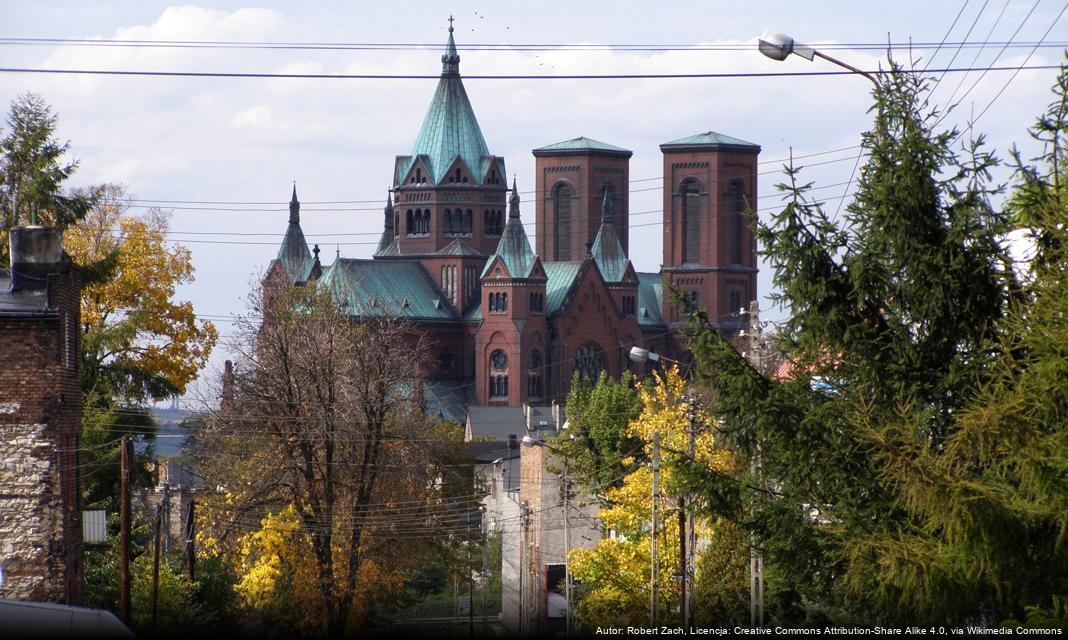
687,526
125,476
756,561
190,537
653,560
155,568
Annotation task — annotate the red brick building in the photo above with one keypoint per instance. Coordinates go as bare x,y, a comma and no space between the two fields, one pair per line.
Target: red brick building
41,553
512,320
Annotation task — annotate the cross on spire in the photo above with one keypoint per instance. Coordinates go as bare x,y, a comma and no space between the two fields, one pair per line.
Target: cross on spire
450,23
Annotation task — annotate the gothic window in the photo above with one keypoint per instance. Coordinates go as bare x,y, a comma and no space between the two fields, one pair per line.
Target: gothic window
396,225
409,227
493,222
628,306
465,227
457,174
735,213
690,301
470,283
446,360
498,378
534,375
736,304
498,302
537,302
448,282
690,197
562,222
589,362
419,176
448,222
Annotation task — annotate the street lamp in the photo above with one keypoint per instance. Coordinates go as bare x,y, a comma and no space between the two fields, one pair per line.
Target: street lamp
779,46
530,441
637,354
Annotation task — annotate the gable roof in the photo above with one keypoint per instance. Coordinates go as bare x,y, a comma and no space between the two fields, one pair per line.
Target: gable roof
582,145
459,248
650,298
399,288
561,275
500,422
712,140
607,250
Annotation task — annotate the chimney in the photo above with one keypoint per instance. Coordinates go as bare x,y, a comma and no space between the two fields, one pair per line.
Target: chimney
36,253
226,404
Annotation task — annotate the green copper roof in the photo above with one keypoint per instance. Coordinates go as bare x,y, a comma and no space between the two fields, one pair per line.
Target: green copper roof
514,247
450,128
650,296
583,144
561,275
607,249
710,138
458,248
399,288
296,260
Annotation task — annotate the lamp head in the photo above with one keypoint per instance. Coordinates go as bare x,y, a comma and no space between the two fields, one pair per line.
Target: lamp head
531,442
637,354
779,46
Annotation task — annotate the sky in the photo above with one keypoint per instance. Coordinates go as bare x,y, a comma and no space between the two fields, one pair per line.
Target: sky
246,140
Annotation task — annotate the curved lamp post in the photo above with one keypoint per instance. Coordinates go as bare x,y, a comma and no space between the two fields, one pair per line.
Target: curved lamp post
779,46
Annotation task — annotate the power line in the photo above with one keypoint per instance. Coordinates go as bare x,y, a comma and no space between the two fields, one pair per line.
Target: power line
372,76
436,46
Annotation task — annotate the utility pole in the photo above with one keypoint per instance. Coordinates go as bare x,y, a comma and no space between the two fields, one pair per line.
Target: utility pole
567,550
190,538
155,569
756,561
524,518
653,560
688,527
125,476
470,579
165,505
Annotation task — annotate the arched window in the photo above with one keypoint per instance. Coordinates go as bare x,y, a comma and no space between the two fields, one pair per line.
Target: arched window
409,227
735,211
498,376
457,174
448,221
396,225
534,375
419,176
589,361
446,359
466,226
690,196
562,222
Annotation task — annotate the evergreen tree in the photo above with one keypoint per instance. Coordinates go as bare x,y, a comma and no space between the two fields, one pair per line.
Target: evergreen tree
895,316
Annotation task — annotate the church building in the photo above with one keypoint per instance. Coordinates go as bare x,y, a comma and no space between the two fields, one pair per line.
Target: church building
513,317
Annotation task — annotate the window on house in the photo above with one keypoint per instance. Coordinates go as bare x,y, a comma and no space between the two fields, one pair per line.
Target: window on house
691,302
498,378
457,174
691,221
534,375
628,305
409,228
735,304
470,283
498,302
562,222
537,302
465,226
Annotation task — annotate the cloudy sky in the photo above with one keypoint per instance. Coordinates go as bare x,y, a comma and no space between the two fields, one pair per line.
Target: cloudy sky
232,147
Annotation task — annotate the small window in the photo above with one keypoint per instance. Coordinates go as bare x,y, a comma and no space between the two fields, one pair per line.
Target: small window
498,378
534,375
458,174
498,302
537,302
628,306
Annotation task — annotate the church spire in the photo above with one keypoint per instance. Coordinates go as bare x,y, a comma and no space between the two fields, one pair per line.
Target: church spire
513,202
450,61
294,206
387,230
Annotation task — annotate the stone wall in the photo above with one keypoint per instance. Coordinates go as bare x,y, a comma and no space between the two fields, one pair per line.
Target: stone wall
31,514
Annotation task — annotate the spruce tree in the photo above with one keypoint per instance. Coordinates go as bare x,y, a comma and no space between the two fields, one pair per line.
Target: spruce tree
895,313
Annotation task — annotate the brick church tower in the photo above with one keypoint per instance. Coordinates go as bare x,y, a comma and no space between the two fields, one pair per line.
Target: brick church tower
710,180
572,177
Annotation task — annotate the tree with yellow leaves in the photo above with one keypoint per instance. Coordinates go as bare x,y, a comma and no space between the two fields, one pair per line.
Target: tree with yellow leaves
615,575
138,344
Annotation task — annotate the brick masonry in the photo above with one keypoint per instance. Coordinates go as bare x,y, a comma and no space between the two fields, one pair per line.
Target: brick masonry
41,550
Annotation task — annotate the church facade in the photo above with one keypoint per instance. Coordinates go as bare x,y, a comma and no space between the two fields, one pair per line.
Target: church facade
511,320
